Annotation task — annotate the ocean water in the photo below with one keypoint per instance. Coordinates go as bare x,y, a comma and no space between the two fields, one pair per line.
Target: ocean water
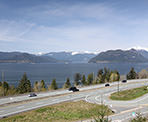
44,71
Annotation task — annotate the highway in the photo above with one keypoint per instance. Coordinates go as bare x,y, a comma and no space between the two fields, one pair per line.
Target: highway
123,110
54,93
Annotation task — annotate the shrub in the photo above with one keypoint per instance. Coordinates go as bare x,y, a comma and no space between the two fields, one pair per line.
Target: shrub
138,118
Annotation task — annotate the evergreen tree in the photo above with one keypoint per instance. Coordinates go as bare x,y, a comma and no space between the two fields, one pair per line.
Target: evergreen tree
67,84
100,76
24,85
90,79
83,80
53,85
118,74
0,83
132,74
28,86
77,78
100,73
5,87
43,86
1,91
106,75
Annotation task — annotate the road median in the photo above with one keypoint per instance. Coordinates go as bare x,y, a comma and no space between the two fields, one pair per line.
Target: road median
130,94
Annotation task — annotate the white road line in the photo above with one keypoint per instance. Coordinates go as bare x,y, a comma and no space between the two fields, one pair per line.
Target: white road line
55,100
30,108
1,111
39,103
130,116
144,97
86,98
20,107
91,87
97,98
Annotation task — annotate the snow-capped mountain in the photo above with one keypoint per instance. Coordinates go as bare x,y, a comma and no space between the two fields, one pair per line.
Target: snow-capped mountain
128,56
142,50
73,57
144,53
139,48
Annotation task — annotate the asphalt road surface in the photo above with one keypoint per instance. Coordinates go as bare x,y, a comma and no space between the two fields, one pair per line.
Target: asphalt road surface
123,110
54,93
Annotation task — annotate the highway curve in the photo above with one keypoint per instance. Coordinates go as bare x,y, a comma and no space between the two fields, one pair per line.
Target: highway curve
94,94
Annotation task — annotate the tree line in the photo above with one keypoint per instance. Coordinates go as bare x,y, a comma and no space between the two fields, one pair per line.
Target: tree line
103,76
132,74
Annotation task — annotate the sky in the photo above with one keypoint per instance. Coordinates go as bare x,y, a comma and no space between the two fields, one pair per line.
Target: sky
72,25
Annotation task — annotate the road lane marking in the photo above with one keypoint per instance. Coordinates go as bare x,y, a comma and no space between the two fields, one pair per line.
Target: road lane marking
129,82
39,103
131,110
20,107
1,111
116,121
55,100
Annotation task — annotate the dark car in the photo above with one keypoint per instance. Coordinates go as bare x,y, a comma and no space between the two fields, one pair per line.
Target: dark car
32,95
124,81
107,85
74,89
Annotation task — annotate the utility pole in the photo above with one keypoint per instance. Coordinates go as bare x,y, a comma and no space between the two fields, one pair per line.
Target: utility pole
101,99
3,76
93,76
118,87
3,81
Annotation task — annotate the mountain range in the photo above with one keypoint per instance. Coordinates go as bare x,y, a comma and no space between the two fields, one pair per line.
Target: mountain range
71,57
18,57
144,53
132,55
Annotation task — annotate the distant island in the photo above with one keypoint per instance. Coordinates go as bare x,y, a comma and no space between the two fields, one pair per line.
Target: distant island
130,56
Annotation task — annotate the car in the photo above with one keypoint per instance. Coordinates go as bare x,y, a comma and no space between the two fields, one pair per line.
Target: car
32,95
74,89
124,81
107,84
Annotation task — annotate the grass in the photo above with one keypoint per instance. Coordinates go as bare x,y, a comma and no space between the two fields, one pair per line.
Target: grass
63,112
129,94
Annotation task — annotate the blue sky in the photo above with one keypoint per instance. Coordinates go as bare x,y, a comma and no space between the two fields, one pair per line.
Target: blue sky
72,25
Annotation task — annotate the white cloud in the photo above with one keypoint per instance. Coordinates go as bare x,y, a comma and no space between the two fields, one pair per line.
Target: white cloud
97,10
77,27
13,31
